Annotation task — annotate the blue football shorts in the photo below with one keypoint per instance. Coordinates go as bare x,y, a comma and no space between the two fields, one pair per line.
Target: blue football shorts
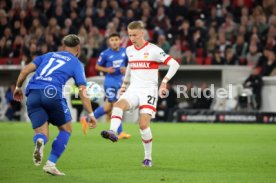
111,93
42,108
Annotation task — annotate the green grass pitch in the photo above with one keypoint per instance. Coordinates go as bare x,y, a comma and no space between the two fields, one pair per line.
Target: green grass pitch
181,153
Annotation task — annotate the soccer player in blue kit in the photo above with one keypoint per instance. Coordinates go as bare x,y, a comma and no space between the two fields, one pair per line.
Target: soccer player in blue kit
45,102
112,62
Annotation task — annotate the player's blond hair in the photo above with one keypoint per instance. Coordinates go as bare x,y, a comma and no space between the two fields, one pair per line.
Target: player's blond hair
71,40
136,25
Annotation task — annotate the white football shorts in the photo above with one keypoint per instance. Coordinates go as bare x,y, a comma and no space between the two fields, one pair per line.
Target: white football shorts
144,98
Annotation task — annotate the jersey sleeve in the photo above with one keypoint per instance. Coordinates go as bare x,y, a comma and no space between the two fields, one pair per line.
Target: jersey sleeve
161,56
79,74
37,61
101,60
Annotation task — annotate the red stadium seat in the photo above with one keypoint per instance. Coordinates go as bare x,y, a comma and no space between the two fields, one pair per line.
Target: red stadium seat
199,52
208,60
151,32
102,32
90,67
199,60
9,61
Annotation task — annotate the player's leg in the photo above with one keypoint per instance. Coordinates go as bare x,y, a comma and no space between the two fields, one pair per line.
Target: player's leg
58,147
148,102
100,111
38,117
144,123
112,97
59,115
121,133
40,139
116,119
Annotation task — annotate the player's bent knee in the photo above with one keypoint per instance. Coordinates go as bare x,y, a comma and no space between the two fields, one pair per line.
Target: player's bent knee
123,104
42,129
66,127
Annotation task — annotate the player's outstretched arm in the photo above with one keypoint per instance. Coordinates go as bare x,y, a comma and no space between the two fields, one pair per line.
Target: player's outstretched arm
18,94
87,106
171,72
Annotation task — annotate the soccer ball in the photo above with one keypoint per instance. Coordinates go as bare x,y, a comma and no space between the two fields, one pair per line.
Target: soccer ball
94,91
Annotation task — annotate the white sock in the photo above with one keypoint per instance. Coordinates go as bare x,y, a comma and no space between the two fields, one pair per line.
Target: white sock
147,142
116,118
50,163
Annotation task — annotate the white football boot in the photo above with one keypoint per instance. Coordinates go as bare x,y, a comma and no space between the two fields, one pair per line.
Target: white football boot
38,152
52,169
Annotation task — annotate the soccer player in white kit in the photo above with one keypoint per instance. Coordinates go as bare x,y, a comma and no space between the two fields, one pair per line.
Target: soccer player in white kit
140,86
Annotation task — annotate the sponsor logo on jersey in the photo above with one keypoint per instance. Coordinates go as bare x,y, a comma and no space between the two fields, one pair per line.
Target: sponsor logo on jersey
117,63
143,65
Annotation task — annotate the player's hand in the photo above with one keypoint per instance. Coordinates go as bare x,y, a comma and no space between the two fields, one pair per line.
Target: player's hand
92,122
123,70
110,70
163,90
18,94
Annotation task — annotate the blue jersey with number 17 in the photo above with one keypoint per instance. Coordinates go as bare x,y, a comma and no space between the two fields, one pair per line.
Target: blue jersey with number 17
54,69
115,59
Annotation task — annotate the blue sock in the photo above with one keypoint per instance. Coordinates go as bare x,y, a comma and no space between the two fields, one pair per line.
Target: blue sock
120,129
59,145
41,136
99,112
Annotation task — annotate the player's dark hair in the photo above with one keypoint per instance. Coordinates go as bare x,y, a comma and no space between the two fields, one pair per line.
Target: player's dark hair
136,25
71,40
114,35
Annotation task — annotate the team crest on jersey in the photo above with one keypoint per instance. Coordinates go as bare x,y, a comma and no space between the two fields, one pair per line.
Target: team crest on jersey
146,55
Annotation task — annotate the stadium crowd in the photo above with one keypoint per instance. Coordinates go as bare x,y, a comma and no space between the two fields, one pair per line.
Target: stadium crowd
238,32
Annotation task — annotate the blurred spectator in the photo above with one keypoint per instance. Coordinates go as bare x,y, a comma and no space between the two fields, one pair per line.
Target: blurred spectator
146,15
175,50
95,41
13,106
185,33
198,43
163,43
166,106
255,82
222,44
203,99
188,98
161,21
253,55
230,57
240,49
268,68
102,19
188,58
217,59
180,9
